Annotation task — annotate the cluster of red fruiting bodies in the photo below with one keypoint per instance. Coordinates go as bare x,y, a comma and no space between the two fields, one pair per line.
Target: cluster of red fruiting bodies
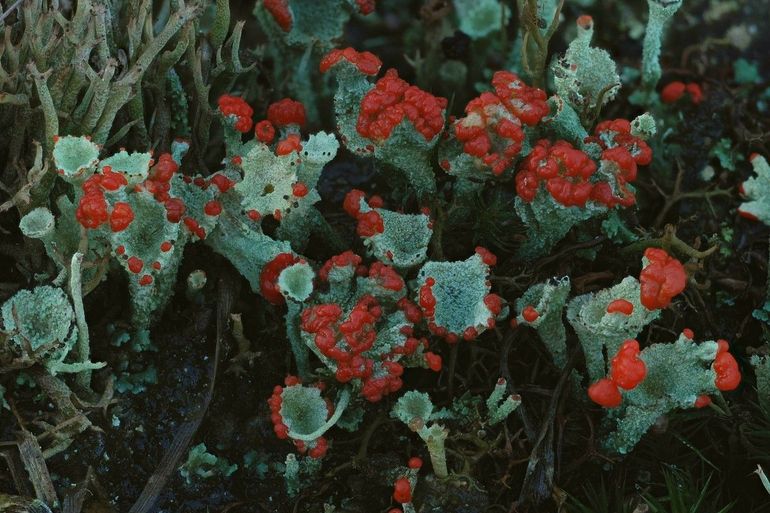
492,128
676,90
493,132
627,370
94,209
402,487
319,445
393,99
285,114
661,279
567,171
390,101
347,340
279,10
370,223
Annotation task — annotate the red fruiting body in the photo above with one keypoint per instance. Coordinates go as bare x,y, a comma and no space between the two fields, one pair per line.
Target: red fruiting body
530,314
386,276
166,246
370,224
319,451
279,10
348,258
289,144
627,370
299,189
566,172
402,490
525,102
120,250
280,429
585,21
175,209
433,361
195,228
145,280
286,112
352,202
318,317
366,6
164,168
687,332
490,132
158,181
722,346
411,311
494,303
747,215
366,62
93,184
662,279
345,342
672,92
156,266
268,278
390,101
254,215
121,216
112,181
264,131
487,256
702,401
621,306
626,151
415,463
605,393
426,298
728,373
238,108
675,90
212,208
92,210
617,133
376,201
135,264
696,93
221,182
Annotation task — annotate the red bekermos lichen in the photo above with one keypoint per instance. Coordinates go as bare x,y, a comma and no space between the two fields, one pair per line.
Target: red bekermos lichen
237,110
317,448
393,99
627,370
663,278
366,62
492,127
674,91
